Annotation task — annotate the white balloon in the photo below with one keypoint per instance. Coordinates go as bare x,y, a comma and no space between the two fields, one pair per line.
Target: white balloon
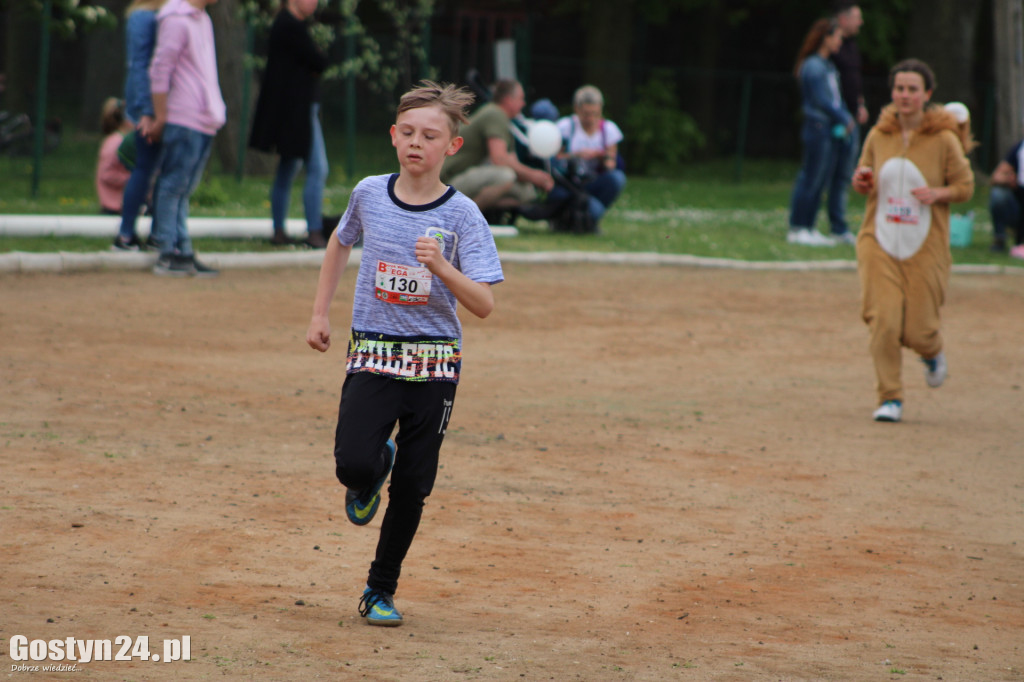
959,111
544,138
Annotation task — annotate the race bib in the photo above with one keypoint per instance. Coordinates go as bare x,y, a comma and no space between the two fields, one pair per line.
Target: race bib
902,211
402,284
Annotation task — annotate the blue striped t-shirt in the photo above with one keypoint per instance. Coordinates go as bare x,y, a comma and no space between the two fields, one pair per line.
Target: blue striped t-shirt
404,321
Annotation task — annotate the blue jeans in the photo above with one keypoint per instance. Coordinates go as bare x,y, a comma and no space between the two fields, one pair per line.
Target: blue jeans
313,190
603,190
146,157
1005,210
185,152
819,159
846,161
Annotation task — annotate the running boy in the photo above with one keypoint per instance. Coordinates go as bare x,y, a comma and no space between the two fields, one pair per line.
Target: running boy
426,248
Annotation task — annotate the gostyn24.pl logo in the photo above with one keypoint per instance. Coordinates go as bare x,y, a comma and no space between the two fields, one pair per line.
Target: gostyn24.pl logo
65,654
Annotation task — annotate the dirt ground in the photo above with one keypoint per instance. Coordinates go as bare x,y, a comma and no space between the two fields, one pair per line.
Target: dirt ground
651,473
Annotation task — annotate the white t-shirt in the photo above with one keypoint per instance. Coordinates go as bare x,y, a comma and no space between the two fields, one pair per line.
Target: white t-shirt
577,139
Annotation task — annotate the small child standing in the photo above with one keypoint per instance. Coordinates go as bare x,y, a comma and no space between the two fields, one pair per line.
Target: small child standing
111,174
426,249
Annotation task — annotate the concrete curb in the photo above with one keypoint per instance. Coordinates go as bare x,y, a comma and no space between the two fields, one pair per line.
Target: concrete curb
18,261
106,226
21,225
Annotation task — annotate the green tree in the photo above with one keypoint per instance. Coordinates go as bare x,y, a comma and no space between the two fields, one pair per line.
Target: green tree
609,39
69,19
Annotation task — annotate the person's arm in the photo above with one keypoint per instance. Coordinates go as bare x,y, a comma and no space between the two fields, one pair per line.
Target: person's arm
612,135
318,336
611,156
172,36
153,129
814,74
862,112
476,297
959,177
863,181
499,155
1004,175
305,50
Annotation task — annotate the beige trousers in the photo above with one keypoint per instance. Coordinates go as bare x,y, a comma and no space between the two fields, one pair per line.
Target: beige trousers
900,301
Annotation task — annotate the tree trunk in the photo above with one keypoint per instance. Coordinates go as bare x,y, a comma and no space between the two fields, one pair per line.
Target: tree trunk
711,20
942,32
229,30
1008,24
608,44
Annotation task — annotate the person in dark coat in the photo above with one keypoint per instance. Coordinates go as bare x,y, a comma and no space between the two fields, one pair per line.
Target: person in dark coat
851,87
287,120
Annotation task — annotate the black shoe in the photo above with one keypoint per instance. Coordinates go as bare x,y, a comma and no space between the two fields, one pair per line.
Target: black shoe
537,211
280,239
172,265
998,245
316,240
151,244
121,245
330,222
197,268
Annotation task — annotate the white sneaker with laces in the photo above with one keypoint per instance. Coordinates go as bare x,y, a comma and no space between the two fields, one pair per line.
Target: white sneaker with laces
845,238
935,370
807,237
889,411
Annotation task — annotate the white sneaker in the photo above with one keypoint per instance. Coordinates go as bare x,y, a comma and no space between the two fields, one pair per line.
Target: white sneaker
889,411
845,238
797,236
807,237
935,370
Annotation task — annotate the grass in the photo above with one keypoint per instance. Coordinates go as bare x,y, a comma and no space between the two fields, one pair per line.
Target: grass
698,208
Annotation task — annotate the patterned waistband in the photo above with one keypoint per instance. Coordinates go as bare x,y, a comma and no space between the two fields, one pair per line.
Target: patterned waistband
420,359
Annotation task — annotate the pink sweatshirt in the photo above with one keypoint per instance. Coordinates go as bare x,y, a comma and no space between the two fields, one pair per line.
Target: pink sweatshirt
184,66
111,175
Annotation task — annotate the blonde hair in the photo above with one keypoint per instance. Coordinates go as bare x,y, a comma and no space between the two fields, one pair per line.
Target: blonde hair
111,115
153,5
452,99
587,94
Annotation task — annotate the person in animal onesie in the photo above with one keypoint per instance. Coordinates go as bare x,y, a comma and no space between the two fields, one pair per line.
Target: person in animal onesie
912,167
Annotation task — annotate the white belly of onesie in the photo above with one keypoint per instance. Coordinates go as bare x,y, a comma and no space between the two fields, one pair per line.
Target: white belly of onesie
901,221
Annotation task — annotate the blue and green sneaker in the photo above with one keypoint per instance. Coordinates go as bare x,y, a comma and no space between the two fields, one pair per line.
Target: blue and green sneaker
379,608
361,507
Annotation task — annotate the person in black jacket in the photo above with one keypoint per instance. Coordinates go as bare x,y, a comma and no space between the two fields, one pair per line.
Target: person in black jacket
851,86
287,120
